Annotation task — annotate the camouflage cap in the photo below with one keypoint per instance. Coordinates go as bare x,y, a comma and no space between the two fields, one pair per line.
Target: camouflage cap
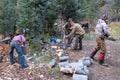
104,17
70,19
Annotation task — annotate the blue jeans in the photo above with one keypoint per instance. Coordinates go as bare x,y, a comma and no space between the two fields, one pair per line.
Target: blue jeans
18,48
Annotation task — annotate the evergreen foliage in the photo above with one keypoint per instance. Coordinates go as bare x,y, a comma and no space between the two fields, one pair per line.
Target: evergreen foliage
116,6
38,16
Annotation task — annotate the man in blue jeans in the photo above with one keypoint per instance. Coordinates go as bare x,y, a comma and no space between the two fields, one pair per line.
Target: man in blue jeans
16,43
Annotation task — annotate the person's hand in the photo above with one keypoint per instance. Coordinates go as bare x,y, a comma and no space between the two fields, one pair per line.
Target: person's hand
107,35
24,43
102,37
66,37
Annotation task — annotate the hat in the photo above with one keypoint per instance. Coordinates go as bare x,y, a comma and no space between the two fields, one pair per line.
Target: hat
104,17
18,31
70,19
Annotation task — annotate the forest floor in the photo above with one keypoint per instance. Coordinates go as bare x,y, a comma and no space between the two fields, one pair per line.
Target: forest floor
38,69
41,72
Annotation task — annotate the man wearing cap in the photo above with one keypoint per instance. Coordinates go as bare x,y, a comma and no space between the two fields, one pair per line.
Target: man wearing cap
16,42
77,31
102,33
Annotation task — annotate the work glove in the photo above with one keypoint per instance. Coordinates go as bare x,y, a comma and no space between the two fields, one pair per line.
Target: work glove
106,35
66,37
102,37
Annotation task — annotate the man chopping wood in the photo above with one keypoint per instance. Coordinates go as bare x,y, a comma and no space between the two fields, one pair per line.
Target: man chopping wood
76,31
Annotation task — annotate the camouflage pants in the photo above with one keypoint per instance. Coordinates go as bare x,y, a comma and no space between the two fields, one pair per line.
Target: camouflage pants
78,42
101,45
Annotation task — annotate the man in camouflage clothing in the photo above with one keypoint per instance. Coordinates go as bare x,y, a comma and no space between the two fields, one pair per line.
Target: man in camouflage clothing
76,31
102,33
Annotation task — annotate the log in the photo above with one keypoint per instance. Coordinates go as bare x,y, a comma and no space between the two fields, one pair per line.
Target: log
5,39
79,77
82,71
52,64
86,61
64,58
62,64
67,70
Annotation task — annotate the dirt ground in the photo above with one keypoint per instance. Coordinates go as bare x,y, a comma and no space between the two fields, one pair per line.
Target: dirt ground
41,72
